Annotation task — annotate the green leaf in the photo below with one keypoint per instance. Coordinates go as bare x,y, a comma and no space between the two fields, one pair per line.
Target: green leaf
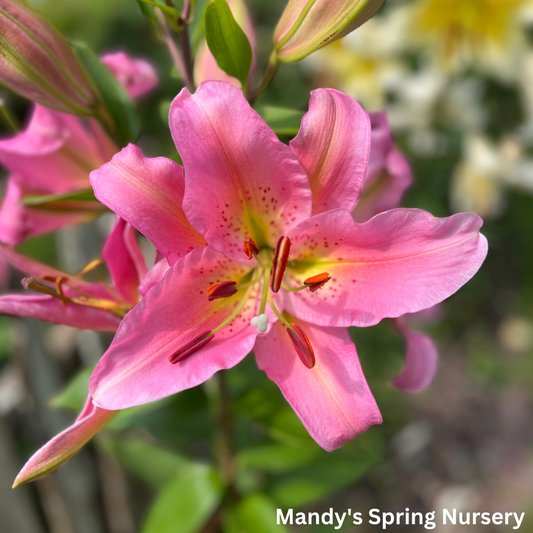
86,195
171,11
153,464
278,457
285,122
118,105
256,513
185,503
227,42
147,10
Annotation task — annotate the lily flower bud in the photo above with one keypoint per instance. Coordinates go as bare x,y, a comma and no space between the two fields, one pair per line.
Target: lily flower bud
307,25
37,62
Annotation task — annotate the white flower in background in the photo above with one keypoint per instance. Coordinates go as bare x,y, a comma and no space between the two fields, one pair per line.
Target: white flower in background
480,178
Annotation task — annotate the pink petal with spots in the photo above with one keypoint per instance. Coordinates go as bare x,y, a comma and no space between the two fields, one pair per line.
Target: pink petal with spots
120,263
137,76
136,370
63,446
241,181
421,359
389,173
50,309
332,399
401,261
333,146
148,193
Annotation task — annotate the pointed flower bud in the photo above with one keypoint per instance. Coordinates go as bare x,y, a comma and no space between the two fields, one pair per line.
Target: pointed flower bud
302,346
307,25
37,62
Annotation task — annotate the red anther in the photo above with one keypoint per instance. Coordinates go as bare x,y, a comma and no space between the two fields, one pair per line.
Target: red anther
281,256
191,347
302,346
315,282
250,248
222,289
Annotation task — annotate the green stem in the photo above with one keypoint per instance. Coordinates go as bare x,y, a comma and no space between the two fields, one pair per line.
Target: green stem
187,58
270,70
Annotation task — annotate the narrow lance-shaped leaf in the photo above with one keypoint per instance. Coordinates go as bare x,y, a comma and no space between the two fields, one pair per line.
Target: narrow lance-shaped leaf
227,41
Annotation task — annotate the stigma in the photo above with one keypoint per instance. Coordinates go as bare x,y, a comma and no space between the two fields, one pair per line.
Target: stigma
260,322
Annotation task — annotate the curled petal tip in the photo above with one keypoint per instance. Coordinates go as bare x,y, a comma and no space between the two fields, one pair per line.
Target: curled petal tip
302,346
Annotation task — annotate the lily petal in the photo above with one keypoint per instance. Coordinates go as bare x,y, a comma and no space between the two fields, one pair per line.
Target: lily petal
332,399
241,180
400,261
18,222
421,358
62,447
148,193
137,76
50,309
136,369
121,266
333,146
54,154
389,173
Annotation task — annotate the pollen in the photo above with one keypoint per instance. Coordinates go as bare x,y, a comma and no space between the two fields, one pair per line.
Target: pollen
315,282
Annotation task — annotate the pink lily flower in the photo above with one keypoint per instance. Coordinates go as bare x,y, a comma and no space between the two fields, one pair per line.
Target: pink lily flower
67,299
389,174
52,158
205,64
137,76
282,245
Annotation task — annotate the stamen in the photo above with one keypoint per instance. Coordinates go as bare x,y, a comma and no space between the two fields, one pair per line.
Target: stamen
250,248
192,347
281,256
87,268
260,322
31,284
302,346
315,282
222,289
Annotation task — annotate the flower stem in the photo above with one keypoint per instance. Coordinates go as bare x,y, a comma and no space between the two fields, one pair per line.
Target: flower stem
226,437
187,58
271,68
171,45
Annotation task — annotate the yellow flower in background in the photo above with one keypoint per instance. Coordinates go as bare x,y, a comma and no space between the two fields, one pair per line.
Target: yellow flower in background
466,29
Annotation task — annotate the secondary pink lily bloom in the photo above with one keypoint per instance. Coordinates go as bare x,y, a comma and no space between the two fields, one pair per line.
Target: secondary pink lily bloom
389,173
137,76
52,157
205,64
282,245
61,298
